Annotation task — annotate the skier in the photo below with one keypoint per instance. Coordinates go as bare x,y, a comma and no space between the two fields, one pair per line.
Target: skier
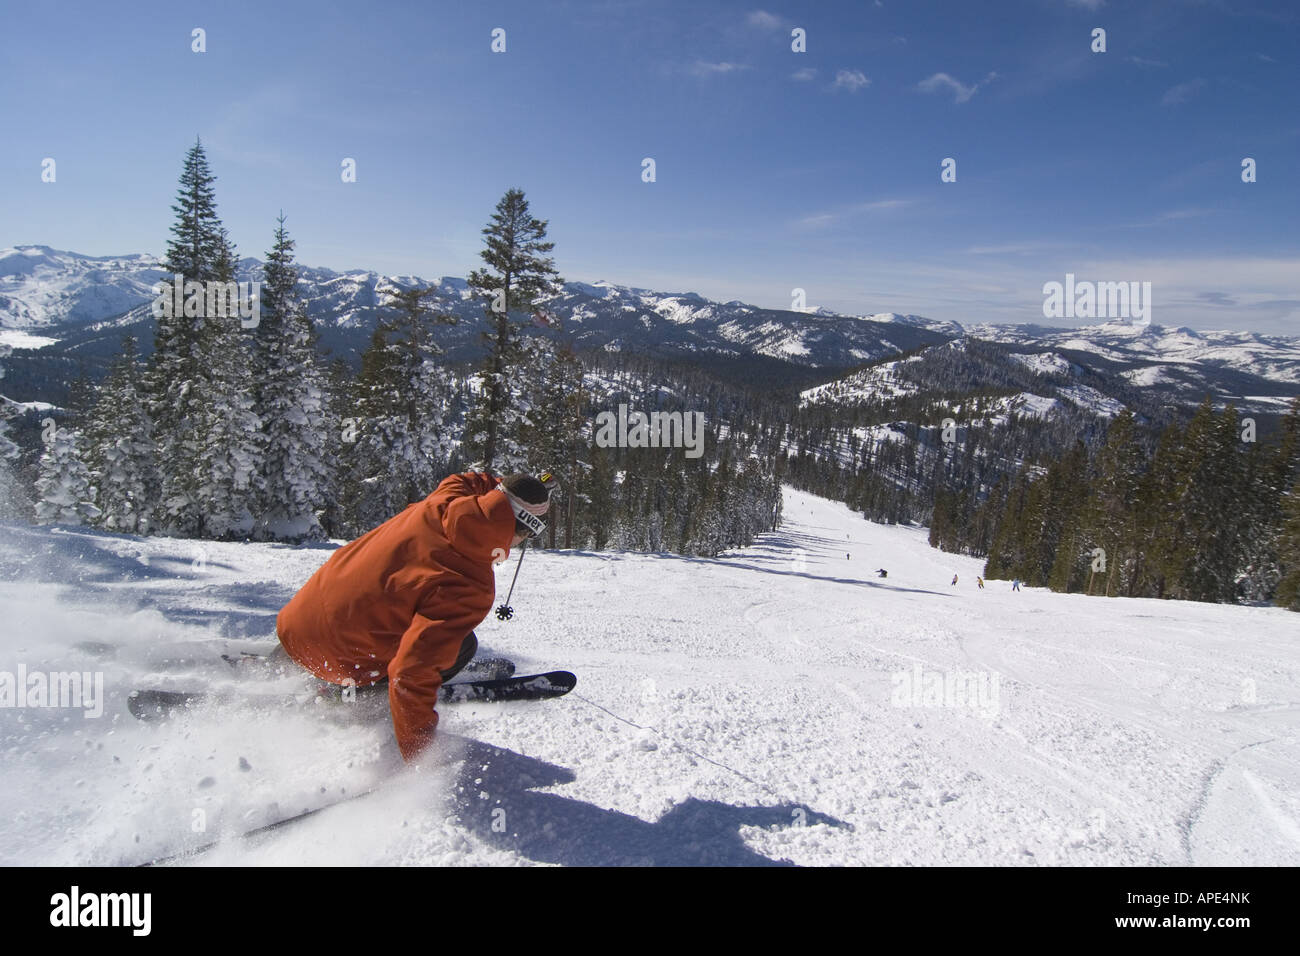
980,581
881,572
1015,585
400,603
954,580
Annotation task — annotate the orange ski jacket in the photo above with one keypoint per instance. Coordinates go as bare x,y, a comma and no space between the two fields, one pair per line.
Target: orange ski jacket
398,601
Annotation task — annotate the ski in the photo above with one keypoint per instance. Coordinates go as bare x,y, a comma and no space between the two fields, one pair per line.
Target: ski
150,704
490,668
183,855
530,687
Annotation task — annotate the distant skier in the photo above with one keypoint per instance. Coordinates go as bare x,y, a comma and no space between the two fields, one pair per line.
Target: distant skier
1015,585
400,603
881,572
847,556
980,581
954,580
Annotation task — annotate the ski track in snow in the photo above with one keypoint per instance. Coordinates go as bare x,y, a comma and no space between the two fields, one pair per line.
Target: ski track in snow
737,710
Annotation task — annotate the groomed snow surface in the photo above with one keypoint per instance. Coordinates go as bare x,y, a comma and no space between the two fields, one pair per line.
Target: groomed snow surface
745,710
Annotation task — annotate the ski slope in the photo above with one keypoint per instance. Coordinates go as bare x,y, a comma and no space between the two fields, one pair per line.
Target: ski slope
740,710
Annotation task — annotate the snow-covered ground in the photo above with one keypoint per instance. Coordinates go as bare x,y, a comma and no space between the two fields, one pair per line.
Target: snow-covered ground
780,703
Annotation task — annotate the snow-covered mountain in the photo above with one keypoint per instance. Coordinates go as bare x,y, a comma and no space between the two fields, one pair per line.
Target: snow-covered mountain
88,303
1097,370
64,310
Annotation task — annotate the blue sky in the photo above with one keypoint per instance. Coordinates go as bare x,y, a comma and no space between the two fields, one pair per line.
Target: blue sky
775,170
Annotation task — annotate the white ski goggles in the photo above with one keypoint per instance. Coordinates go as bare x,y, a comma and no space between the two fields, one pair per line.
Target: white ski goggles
529,515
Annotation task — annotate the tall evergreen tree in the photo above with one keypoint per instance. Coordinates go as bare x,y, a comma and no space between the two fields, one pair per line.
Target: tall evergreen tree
518,275
1286,479
225,455
193,367
403,436
289,391
1107,519
12,504
554,438
120,447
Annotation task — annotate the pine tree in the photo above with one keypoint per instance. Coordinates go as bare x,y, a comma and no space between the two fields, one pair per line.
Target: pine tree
1107,519
554,438
1212,506
64,488
1285,477
223,454
12,504
291,403
402,399
518,274
120,447
227,446
1015,540
340,445
1160,548
179,378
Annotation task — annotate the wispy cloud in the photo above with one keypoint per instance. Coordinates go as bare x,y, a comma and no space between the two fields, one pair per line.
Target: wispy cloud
764,20
1088,4
1143,61
1029,247
1172,215
1265,57
851,80
826,218
1181,93
807,73
704,68
960,91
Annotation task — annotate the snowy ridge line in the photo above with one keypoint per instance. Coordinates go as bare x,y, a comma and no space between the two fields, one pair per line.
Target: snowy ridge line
662,736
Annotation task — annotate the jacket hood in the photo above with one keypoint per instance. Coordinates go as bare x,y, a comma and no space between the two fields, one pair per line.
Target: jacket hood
480,527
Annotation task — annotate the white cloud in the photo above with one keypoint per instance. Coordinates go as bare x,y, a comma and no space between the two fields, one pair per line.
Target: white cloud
807,73
1181,93
1143,61
961,92
764,20
1173,215
1088,4
851,80
826,218
702,68
1029,247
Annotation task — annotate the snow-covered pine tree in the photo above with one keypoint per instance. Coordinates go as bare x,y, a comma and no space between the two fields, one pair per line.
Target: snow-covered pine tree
200,252
340,444
402,439
518,273
120,448
64,487
289,395
227,446
12,505
10,491
554,437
